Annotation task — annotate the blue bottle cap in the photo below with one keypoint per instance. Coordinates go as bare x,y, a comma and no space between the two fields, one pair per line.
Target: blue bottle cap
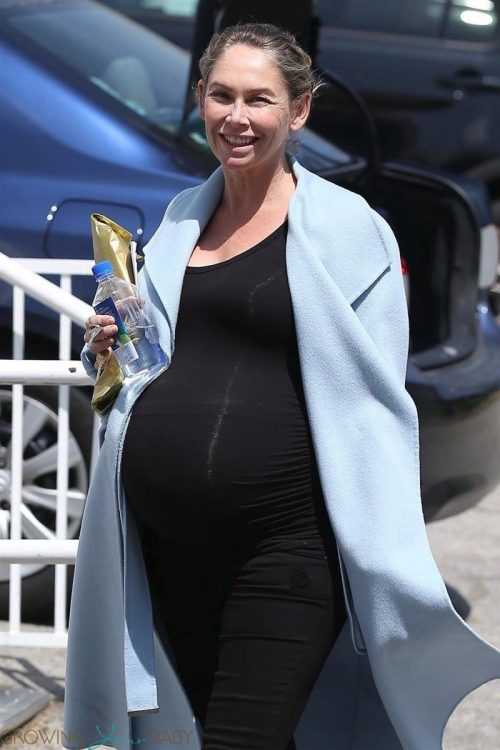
104,268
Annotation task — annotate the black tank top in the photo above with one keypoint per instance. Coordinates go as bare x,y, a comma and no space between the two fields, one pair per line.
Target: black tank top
218,449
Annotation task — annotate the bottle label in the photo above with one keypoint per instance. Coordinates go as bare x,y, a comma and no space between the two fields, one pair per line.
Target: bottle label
124,348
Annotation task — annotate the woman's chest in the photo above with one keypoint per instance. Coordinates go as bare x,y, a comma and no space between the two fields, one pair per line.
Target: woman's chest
220,242
245,299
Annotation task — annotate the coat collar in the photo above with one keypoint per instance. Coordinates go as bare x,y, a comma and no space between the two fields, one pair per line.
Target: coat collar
323,221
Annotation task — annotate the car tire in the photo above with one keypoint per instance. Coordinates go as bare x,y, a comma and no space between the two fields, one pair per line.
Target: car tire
39,482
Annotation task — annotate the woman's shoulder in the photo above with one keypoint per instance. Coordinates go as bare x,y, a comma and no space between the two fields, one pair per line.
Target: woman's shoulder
174,210
328,190
188,200
355,244
181,198
177,202
182,201
329,203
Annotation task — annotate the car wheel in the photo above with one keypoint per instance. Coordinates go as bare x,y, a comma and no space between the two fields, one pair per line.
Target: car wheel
38,501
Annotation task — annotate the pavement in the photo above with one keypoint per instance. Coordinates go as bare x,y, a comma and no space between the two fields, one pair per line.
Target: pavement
467,550
42,669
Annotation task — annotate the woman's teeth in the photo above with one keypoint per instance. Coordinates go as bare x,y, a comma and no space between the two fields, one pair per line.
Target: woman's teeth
235,141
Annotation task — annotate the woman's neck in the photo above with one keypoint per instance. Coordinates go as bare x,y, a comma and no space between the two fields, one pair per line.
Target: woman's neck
251,192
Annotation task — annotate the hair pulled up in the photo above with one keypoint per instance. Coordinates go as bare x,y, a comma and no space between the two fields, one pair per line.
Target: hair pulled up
279,44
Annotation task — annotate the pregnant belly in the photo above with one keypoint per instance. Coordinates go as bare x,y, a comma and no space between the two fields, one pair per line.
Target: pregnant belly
202,476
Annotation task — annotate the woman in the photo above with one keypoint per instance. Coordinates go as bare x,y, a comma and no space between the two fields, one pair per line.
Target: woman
282,359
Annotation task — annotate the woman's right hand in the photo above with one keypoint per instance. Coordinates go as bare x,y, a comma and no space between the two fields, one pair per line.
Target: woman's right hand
105,337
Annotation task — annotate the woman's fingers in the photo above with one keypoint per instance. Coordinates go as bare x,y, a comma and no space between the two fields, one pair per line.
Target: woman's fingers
99,332
101,346
100,320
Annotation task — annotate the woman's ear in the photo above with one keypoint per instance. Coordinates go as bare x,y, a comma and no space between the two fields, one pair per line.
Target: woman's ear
201,98
301,110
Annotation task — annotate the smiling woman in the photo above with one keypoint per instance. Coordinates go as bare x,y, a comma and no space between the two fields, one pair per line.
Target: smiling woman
230,413
263,487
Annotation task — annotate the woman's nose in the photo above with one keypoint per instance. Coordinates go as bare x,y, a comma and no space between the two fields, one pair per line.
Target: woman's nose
237,112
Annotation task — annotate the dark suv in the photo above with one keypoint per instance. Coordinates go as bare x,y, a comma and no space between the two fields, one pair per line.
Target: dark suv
429,71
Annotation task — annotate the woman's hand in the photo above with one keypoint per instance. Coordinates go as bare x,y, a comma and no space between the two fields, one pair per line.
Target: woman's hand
99,333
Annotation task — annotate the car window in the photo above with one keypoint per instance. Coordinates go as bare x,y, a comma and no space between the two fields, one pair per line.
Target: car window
144,72
421,17
468,20
472,21
183,8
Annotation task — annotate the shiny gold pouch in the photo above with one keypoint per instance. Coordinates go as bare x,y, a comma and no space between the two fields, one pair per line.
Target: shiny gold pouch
110,242
107,385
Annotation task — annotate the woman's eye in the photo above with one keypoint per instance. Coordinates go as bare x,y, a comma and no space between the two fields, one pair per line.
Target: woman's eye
224,96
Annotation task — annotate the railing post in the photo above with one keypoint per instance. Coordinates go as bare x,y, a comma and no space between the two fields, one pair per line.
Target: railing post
16,463
62,466
25,276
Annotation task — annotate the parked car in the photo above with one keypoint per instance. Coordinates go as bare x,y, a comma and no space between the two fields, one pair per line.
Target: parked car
94,118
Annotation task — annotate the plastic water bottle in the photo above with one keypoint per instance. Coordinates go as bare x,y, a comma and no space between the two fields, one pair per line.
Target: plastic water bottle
137,346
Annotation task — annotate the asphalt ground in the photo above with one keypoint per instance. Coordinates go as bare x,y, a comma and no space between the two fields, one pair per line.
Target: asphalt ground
467,550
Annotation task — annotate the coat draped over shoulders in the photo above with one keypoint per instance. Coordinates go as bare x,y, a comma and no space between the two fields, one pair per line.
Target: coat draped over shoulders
405,658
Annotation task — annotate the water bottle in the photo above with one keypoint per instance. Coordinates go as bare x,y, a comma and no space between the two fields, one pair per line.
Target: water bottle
137,346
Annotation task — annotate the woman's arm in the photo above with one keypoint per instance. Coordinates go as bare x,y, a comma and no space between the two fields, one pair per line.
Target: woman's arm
383,308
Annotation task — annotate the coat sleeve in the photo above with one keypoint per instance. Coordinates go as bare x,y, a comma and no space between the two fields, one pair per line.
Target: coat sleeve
383,309
88,361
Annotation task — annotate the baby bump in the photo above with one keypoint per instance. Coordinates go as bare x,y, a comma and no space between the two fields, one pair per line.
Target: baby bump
203,473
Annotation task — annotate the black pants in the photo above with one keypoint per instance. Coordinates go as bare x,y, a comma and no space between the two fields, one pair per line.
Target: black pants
250,634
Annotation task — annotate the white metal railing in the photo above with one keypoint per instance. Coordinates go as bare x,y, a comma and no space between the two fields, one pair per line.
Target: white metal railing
25,275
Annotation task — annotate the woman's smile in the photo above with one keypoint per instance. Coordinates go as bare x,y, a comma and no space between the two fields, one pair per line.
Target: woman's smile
238,142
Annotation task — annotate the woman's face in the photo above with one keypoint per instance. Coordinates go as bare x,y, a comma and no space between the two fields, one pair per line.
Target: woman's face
247,109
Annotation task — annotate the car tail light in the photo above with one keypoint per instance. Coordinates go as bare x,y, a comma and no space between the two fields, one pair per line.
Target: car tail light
406,279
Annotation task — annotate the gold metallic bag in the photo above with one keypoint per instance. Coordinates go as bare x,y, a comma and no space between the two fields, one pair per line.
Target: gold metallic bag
110,242
108,382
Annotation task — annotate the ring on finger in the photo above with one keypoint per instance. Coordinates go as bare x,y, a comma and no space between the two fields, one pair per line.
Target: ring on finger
94,331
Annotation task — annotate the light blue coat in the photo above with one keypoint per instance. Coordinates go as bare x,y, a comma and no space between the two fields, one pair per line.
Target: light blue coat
405,658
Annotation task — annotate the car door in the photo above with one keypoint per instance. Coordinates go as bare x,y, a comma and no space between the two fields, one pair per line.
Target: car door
430,71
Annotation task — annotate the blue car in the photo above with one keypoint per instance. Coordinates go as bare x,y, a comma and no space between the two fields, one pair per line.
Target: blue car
96,116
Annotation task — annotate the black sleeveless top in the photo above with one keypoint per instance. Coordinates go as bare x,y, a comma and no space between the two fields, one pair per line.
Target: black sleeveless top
218,449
